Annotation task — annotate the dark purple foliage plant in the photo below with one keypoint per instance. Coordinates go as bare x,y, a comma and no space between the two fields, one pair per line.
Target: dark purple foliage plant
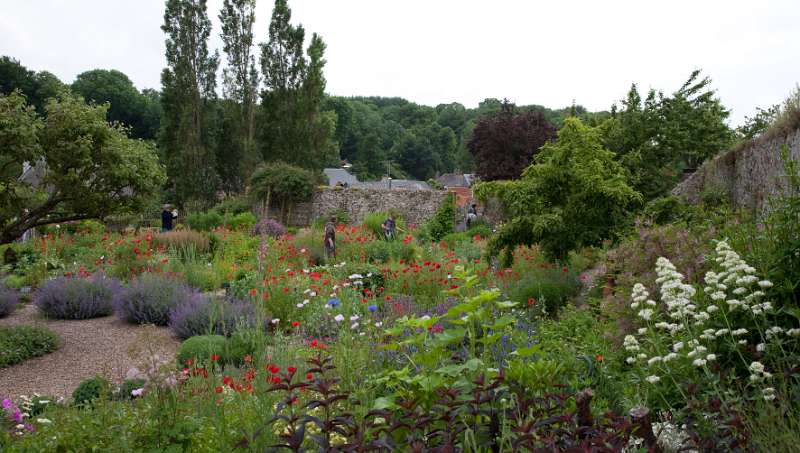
149,298
9,299
269,227
205,315
77,297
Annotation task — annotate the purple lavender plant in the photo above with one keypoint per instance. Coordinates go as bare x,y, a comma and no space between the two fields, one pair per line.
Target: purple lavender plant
77,297
149,298
8,300
203,315
269,227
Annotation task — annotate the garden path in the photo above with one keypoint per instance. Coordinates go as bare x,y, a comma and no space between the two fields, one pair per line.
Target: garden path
88,348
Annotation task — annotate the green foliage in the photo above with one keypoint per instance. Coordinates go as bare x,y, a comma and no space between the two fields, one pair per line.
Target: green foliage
188,87
664,210
546,289
37,87
444,221
19,343
204,221
202,347
89,390
340,215
92,169
127,106
293,127
656,138
281,184
128,386
575,195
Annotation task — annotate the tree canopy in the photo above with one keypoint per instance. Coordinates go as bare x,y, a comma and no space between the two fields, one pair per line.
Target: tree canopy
574,195
126,104
85,168
504,143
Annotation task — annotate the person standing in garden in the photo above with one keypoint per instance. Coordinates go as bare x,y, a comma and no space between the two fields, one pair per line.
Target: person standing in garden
472,215
388,227
166,218
330,237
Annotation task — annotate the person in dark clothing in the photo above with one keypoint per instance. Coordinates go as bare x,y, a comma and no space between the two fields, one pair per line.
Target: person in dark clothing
388,227
472,214
166,219
330,238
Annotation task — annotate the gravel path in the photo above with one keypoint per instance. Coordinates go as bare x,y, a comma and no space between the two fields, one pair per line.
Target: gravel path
88,348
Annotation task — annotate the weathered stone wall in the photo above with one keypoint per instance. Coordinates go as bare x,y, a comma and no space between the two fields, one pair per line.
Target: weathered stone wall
416,206
749,175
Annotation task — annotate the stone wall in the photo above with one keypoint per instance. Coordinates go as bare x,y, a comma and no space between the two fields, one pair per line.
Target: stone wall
416,206
748,175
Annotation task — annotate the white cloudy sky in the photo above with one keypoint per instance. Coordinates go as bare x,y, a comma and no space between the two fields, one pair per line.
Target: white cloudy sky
433,51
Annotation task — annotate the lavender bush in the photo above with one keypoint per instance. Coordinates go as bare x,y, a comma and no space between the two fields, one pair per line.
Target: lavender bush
149,298
8,300
77,297
202,315
269,227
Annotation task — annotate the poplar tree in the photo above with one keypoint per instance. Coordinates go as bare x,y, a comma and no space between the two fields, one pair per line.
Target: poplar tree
240,85
188,84
292,127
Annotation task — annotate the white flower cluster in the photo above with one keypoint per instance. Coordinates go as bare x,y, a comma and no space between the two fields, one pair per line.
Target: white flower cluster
738,275
674,293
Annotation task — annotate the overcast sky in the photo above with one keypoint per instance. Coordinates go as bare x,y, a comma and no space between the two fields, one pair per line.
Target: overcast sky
436,51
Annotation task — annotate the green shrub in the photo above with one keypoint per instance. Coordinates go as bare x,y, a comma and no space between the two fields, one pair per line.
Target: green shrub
443,222
204,221
242,221
19,343
548,289
453,239
89,390
201,348
244,342
40,403
232,205
480,228
378,252
468,251
664,210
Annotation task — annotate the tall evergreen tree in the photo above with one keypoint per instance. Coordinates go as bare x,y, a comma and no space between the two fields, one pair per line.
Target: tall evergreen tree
293,128
189,83
240,85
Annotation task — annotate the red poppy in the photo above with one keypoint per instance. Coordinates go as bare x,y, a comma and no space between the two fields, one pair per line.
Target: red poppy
274,369
227,380
218,389
453,286
253,291
564,269
313,343
291,369
275,380
214,357
388,298
531,301
599,358
189,362
295,323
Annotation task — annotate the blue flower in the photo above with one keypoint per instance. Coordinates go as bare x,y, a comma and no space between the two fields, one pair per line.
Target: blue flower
373,308
334,302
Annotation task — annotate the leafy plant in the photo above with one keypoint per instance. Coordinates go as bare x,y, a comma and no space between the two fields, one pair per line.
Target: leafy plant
19,343
89,390
269,227
9,299
77,297
149,298
202,348
574,195
201,314
444,221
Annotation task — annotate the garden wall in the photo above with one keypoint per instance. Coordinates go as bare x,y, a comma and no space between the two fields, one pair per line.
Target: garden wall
748,175
415,206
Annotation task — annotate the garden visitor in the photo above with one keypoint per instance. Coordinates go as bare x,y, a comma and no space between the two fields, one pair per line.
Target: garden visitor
330,237
388,227
167,217
472,214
